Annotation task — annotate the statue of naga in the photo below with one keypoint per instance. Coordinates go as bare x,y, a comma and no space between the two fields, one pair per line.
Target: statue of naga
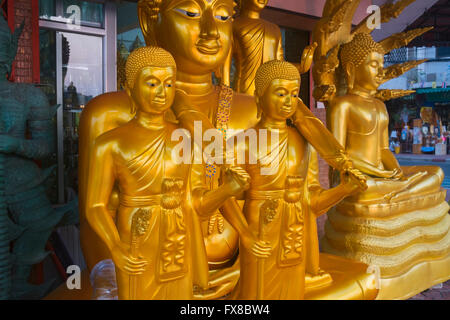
400,224
26,215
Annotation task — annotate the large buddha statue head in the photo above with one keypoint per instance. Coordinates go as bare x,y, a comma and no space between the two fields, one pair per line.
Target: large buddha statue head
197,33
150,80
277,88
362,60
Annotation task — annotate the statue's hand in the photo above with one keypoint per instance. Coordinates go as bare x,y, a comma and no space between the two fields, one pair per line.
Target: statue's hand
260,249
125,262
353,182
358,179
399,175
387,174
8,144
237,179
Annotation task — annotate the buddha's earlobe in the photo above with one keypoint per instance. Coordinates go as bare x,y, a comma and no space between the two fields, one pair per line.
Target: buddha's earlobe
258,107
132,103
350,75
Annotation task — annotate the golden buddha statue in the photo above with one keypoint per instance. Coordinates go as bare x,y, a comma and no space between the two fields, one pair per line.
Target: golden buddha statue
198,34
276,207
155,240
400,224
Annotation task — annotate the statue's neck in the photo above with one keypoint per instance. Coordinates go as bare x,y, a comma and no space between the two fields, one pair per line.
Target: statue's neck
270,123
150,121
194,84
363,92
252,14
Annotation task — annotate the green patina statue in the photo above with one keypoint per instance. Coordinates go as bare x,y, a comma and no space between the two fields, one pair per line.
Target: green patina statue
27,217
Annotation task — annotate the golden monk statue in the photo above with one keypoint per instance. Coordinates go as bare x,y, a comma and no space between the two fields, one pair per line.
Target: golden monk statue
155,240
255,41
281,195
198,34
400,224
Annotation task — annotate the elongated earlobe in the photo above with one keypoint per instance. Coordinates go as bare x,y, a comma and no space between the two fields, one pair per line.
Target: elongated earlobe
258,107
132,103
350,75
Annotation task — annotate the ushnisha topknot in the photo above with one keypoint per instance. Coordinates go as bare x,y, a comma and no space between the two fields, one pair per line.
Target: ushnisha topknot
272,70
147,57
357,50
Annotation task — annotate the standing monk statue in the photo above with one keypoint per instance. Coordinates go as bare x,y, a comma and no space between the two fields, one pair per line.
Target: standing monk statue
283,202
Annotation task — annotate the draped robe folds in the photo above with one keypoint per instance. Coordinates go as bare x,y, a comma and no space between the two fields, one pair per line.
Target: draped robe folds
255,41
293,225
173,243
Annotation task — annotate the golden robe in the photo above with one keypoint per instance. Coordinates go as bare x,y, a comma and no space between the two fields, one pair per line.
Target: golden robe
284,271
148,179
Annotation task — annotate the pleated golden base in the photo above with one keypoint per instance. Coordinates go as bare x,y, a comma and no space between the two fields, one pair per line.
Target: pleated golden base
419,278
409,248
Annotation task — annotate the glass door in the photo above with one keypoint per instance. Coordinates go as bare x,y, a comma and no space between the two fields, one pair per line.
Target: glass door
72,73
81,79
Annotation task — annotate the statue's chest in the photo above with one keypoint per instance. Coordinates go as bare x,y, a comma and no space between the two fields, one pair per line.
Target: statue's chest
364,120
13,115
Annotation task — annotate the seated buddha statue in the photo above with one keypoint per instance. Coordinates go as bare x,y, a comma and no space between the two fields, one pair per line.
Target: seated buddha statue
155,240
400,223
198,35
281,197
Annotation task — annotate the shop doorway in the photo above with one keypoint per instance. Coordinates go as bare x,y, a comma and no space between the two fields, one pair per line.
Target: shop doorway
77,63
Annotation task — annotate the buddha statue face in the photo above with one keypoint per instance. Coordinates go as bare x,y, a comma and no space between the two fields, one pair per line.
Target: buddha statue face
154,89
363,62
277,86
280,99
253,5
197,33
151,75
370,74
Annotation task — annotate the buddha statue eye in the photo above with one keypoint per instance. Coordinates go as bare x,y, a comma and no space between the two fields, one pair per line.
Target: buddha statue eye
223,13
189,14
222,18
169,85
151,84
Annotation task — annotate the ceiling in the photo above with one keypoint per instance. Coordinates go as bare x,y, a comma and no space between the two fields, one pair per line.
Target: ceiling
438,16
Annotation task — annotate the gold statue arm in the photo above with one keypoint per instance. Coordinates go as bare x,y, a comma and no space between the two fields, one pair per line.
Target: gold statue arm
322,200
99,187
320,138
235,179
390,162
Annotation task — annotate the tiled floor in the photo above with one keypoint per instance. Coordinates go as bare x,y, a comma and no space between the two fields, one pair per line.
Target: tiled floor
435,294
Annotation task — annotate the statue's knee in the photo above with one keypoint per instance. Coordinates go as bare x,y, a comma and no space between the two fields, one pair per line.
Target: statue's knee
439,173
